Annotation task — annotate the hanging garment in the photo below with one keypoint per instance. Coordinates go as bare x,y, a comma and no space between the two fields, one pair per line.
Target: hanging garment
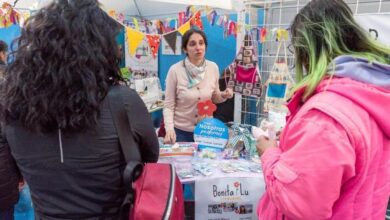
244,72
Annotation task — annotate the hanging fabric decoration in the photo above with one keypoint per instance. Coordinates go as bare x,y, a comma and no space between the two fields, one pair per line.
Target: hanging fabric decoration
154,43
197,21
193,9
159,26
171,40
256,32
182,18
134,38
189,13
121,17
280,81
244,72
208,9
112,13
239,28
146,23
263,35
220,21
232,28
282,34
8,16
136,25
212,17
184,28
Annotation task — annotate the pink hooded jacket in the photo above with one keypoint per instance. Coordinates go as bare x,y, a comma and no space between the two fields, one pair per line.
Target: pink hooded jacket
334,156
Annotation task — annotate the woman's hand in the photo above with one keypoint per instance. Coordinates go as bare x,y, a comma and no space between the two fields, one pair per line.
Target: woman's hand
263,143
227,94
170,137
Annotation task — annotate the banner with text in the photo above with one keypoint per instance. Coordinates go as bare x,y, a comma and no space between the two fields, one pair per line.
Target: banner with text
228,198
212,134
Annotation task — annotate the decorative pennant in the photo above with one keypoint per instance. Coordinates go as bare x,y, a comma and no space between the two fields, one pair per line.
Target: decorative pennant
189,13
212,16
263,35
239,28
171,40
220,21
232,28
112,13
160,27
146,23
154,43
121,17
136,25
8,16
134,38
274,33
256,32
197,21
184,28
193,9
208,9
182,18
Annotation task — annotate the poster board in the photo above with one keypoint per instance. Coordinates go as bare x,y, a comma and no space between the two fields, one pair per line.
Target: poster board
230,198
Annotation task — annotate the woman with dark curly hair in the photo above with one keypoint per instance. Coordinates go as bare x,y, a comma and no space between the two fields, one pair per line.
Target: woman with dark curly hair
57,120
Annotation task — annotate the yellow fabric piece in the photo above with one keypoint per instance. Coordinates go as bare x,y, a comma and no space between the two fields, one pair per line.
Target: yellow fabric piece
184,28
134,38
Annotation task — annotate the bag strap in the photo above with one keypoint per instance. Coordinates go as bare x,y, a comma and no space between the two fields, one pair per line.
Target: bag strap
119,111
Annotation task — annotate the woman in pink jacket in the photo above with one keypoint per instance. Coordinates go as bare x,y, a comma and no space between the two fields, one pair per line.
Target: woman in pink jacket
333,160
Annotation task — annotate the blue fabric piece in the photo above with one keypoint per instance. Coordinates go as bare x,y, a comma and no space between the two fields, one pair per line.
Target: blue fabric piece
361,70
276,90
184,136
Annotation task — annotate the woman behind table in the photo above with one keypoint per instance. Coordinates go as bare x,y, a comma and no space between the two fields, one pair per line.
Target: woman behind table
188,82
333,160
58,123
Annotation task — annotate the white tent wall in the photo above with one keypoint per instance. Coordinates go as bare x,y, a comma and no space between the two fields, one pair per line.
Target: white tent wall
149,9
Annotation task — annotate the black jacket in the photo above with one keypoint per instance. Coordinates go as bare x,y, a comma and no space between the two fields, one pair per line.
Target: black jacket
88,183
9,177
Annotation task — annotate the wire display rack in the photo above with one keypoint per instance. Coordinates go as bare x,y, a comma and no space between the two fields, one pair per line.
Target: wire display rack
279,14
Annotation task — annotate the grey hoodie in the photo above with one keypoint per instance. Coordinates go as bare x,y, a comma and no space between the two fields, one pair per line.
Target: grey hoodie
362,70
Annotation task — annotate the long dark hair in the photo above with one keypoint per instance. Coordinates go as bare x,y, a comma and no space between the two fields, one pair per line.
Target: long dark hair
66,60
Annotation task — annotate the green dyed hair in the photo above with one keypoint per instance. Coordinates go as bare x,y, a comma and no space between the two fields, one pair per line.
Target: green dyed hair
323,30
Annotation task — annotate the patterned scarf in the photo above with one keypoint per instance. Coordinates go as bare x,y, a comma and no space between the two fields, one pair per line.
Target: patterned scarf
195,73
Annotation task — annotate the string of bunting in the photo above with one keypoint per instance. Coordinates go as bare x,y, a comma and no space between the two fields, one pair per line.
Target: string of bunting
186,19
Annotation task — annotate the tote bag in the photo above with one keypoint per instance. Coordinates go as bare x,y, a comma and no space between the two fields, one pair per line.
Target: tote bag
244,72
279,83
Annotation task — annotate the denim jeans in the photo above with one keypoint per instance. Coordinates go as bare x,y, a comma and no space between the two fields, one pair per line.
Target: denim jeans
184,136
